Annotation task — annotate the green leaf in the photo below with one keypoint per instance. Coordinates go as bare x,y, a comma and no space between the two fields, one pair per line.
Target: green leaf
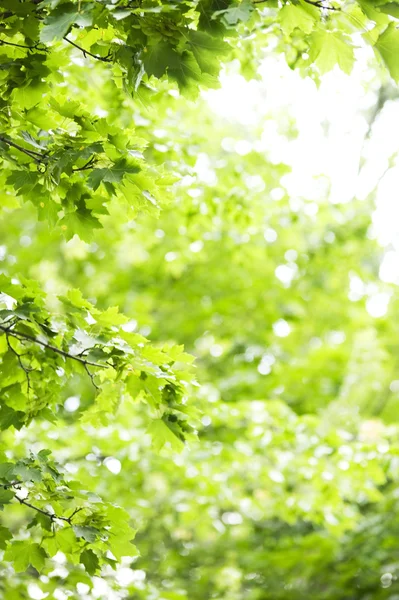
7,471
58,23
87,533
5,536
329,49
293,16
113,174
187,74
10,418
206,50
160,57
23,181
28,96
23,554
90,561
6,496
391,8
240,13
161,434
81,222
27,473
388,47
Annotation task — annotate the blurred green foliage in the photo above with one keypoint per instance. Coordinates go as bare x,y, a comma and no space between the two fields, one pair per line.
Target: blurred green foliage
269,469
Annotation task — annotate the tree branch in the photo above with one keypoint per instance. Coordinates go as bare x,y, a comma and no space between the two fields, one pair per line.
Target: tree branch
87,53
51,516
42,158
319,4
37,156
24,336
31,48
91,376
26,370
24,501
88,165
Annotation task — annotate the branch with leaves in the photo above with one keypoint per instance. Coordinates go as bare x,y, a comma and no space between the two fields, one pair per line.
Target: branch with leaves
51,516
9,331
118,363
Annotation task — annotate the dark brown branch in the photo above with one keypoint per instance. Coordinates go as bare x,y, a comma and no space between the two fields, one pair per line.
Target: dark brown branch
91,376
15,484
26,370
51,516
319,4
16,45
87,53
37,156
42,158
88,165
35,47
24,336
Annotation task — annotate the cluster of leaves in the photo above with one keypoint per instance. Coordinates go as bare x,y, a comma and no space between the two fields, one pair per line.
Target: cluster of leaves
76,144
65,519
70,165
271,492
42,351
56,153
59,154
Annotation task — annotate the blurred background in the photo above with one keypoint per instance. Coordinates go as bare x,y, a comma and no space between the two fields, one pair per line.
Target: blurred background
276,265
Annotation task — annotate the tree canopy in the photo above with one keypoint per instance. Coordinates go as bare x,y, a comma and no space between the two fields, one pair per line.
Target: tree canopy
195,401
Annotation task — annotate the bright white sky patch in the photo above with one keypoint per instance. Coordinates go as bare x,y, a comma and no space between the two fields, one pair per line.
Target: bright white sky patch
389,269
113,465
72,403
377,305
324,156
286,273
270,235
281,328
232,518
35,592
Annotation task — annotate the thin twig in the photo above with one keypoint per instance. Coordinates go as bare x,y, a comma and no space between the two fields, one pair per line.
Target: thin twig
15,484
319,4
42,158
30,338
91,376
87,53
88,165
31,48
51,516
37,156
26,370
